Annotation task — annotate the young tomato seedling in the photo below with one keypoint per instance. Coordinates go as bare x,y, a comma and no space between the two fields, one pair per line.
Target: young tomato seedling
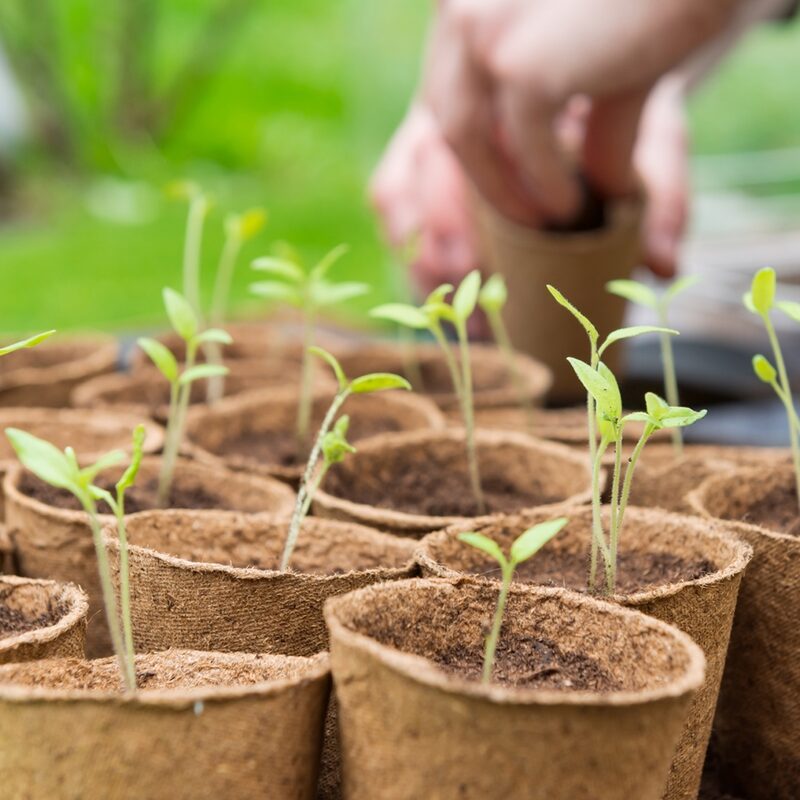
62,471
185,323
492,299
596,351
332,444
429,317
310,291
761,300
601,384
524,547
25,343
644,296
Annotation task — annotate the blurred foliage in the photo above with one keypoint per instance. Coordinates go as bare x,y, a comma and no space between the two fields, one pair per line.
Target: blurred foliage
286,105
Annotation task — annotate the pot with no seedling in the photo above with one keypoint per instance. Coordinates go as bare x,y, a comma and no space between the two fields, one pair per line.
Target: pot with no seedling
90,433
757,724
41,619
46,375
52,537
676,568
201,726
419,482
586,700
255,432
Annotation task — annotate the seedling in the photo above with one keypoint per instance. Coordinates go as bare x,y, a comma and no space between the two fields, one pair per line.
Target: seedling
185,323
25,343
601,384
332,445
492,299
429,317
62,471
642,295
310,291
761,300
524,547
595,354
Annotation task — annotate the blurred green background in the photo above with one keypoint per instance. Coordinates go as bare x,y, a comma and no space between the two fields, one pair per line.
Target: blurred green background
281,105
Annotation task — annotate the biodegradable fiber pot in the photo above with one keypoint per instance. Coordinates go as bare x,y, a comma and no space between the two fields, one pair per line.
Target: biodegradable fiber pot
579,265
757,729
45,375
415,483
425,367
204,726
52,537
89,433
587,702
41,619
681,570
256,432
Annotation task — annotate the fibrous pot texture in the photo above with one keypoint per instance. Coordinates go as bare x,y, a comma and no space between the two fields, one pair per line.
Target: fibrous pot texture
592,708
41,619
203,726
679,569
758,719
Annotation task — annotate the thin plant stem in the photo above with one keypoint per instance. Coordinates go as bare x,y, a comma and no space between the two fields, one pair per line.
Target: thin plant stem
788,400
500,335
597,522
450,361
410,360
125,589
303,493
614,524
469,417
109,599
490,647
191,253
626,486
598,540
307,374
670,379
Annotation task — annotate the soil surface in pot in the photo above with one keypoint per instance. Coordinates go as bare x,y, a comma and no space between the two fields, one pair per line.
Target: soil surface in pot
778,511
636,571
714,780
282,447
13,621
141,497
428,490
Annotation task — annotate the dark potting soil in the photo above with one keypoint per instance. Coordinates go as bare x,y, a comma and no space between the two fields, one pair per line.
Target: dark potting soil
439,494
141,497
282,448
777,511
14,622
636,571
714,779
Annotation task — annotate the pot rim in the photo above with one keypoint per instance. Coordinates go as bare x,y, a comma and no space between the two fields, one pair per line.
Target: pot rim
422,670
78,608
317,668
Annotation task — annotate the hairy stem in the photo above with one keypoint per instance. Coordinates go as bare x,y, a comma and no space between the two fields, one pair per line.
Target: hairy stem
491,640
125,590
191,253
500,335
469,417
307,374
626,486
614,525
598,540
304,496
670,379
597,522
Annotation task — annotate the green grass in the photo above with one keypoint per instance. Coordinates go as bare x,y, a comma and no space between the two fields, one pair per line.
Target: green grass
295,121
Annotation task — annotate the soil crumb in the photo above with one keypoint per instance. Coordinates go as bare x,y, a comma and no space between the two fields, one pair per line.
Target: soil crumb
140,497
13,622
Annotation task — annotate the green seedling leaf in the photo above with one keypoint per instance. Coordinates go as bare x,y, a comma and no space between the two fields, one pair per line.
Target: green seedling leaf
789,307
629,333
595,384
585,324
88,474
764,370
129,476
325,293
214,335
762,290
484,543
181,314
30,342
493,295
44,459
679,286
402,314
246,225
327,261
439,295
161,357
613,406
681,417
747,300
183,190
335,446
466,297
634,291
639,416
656,406
280,267
534,539
378,382
274,290
332,362
202,371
